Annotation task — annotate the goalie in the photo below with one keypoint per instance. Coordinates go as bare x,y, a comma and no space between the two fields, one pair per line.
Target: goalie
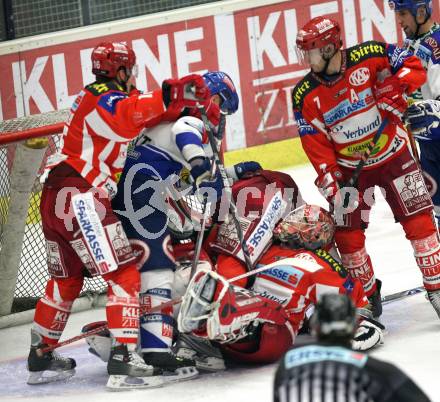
258,321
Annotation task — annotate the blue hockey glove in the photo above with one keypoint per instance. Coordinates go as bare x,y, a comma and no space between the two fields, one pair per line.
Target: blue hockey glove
244,169
203,182
423,119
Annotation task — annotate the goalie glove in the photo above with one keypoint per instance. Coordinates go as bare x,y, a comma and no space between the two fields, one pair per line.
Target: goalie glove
247,169
368,334
423,119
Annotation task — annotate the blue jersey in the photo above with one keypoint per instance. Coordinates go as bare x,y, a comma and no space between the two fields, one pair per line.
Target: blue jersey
427,49
168,149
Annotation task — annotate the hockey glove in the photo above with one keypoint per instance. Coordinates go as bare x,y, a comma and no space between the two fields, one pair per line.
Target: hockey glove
246,169
204,184
184,92
423,119
368,334
390,97
329,185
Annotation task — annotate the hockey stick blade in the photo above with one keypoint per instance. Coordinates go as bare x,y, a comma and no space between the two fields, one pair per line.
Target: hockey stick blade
97,330
401,295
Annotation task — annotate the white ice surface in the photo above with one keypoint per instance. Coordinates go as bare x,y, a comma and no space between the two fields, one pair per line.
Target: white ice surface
412,340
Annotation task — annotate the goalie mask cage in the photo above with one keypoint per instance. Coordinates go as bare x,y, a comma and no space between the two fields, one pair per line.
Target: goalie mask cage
25,144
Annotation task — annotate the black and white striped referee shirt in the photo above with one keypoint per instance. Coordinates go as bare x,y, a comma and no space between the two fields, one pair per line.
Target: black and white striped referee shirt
322,373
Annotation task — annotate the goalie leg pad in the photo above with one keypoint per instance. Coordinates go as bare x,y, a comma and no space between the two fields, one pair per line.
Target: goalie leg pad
99,344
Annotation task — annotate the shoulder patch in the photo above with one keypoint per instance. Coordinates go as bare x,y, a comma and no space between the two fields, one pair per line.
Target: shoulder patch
365,51
109,100
306,85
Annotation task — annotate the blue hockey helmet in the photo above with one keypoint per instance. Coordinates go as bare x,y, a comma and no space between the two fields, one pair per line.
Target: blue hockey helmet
411,5
219,83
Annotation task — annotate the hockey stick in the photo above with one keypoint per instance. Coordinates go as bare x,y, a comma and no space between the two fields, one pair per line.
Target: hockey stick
354,178
94,331
400,295
206,210
227,188
296,261
352,181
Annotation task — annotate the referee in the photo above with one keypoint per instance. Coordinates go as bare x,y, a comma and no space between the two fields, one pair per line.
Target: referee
330,371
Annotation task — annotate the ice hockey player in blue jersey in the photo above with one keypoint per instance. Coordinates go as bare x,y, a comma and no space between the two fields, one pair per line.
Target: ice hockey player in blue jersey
171,154
423,116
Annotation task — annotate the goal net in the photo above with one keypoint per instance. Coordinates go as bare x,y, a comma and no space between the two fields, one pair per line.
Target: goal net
25,144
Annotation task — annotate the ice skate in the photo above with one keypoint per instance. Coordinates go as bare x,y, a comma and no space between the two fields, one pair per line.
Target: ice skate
376,300
206,356
127,370
172,367
434,298
48,367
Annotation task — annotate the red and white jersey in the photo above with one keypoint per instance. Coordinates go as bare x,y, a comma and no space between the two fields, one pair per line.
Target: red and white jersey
103,119
294,285
337,118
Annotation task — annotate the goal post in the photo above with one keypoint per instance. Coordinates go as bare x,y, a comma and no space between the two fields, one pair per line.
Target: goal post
24,169
23,146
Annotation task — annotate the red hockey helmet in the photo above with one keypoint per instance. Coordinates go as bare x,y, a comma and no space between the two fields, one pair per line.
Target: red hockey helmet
319,32
308,226
109,57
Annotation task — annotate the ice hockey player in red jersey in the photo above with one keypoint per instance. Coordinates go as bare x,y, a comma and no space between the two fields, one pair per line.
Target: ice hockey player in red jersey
339,106
83,235
257,320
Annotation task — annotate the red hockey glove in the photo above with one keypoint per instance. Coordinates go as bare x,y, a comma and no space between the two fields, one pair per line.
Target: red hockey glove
329,184
390,97
184,92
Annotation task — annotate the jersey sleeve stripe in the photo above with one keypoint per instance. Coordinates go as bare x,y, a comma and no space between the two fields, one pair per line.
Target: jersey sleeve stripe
99,125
